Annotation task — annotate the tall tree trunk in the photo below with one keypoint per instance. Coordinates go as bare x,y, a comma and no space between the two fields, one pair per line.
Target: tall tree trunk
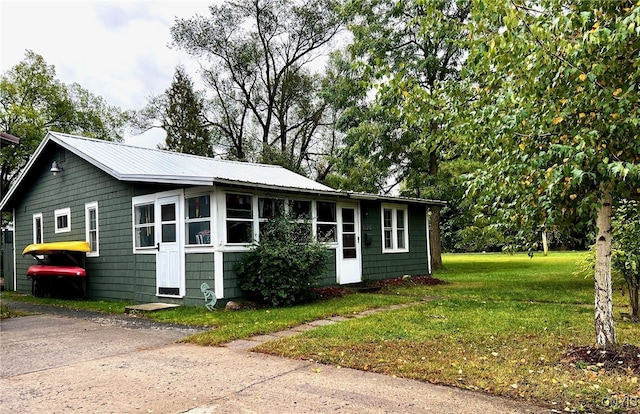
545,244
435,243
605,331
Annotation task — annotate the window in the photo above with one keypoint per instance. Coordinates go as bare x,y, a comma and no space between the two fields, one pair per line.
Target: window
268,208
144,225
198,219
91,228
395,237
326,224
239,220
62,220
37,228
300,211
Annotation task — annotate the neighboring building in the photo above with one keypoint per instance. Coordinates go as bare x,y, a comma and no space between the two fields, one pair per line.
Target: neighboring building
8,139
161,223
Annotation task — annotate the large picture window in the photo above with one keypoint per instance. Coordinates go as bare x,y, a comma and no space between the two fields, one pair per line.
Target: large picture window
144,225
91,228
395,237
198,219
239,218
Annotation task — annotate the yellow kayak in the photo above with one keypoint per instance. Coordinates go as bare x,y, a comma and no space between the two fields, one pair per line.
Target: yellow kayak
57,247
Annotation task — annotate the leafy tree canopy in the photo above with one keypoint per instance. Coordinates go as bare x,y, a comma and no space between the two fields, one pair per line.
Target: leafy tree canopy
256,56
556,118
33,102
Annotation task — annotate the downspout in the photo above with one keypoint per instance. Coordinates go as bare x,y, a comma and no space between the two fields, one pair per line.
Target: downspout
428,213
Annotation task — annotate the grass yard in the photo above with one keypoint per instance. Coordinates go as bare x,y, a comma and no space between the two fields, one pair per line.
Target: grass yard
502,325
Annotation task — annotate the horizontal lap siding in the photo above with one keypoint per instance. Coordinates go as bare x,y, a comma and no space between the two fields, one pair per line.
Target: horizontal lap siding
199,269
377,265
109,276
231,289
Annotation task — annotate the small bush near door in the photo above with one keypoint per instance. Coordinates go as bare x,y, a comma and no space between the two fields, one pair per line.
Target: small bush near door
285,265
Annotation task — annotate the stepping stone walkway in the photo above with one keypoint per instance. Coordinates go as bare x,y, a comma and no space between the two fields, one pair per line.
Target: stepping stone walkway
248,344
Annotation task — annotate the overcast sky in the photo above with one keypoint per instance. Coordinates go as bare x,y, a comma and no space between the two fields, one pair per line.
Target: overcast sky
115,49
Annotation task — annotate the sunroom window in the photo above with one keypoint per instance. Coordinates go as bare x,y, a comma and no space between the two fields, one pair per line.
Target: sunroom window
239,209
326,223
198,219
144,225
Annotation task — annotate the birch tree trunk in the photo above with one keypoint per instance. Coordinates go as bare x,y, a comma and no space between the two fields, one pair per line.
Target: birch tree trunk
605,331
545,245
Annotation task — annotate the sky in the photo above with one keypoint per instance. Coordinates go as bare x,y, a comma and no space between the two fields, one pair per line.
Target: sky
115,49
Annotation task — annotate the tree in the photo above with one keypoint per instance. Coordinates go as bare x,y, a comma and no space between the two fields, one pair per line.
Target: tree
556,119
265,103
408,51
33,101
626,252
180,113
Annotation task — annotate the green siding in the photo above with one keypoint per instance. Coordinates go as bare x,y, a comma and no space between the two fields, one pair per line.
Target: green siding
377,265
199,268
117,273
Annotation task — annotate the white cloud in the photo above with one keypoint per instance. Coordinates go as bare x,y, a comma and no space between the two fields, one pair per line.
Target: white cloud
115,49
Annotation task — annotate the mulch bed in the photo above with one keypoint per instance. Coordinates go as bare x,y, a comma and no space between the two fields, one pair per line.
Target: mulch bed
622,358
329,292
410,280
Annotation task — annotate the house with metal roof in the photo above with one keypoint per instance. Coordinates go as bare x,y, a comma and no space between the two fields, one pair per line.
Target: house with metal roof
160,223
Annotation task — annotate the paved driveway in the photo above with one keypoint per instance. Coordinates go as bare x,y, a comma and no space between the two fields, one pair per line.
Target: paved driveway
56,364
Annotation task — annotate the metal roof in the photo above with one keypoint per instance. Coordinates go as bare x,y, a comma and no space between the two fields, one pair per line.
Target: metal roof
137,164
129,163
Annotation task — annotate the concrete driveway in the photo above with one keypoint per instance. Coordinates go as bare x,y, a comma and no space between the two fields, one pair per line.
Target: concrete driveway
56,364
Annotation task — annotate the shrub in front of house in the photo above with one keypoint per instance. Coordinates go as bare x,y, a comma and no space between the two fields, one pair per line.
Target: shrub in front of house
285,265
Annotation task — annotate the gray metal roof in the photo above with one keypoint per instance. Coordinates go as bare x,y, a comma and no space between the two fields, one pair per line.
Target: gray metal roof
129,163
137,164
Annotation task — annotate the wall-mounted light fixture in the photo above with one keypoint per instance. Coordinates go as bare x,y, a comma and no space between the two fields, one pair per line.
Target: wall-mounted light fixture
55,169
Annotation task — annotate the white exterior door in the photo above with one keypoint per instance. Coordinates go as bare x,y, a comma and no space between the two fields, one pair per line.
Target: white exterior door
349,268
170,257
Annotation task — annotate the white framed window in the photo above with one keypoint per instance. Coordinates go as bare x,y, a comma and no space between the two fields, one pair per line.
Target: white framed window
144,226
38,230
239,218
197,210
91,228
395,226
268,208
62,220
326,221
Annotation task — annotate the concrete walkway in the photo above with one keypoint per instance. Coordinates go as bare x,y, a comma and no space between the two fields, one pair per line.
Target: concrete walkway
59,364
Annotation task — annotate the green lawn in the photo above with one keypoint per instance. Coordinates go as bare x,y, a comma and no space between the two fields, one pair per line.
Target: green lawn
502,325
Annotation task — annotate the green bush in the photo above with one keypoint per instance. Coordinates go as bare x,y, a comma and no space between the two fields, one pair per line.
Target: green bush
481,237
285,265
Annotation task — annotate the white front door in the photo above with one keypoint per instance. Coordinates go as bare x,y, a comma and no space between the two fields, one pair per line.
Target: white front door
169,258
349,268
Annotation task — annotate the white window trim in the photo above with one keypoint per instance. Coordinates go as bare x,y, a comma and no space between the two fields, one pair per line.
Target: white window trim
87,224
61,213
136,201
33,226
253,219
394,227
256,220
203,246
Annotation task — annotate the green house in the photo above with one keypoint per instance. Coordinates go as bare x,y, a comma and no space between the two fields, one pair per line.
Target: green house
161,223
